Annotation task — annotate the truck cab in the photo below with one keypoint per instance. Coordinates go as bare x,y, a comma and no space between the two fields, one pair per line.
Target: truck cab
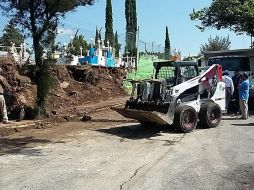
234,60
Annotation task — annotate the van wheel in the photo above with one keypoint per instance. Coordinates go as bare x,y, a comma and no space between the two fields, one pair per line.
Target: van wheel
210,115
185,119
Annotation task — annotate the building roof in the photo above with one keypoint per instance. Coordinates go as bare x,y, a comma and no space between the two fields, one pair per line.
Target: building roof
236,52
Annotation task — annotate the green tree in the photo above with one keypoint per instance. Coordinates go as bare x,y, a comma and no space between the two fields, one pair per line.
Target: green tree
109,33
11,34
215,44
40,20
131,27
236,15
167,46
117,45
76,43
96,37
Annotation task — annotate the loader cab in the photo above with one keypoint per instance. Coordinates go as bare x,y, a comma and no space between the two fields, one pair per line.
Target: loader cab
175,72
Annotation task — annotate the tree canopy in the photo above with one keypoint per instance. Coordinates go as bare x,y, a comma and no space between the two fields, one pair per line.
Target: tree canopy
11,34
236,15
76,43
216,44
40,19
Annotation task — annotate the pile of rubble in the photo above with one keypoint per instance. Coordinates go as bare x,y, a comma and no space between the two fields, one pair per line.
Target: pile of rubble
24,91
79,85
75,86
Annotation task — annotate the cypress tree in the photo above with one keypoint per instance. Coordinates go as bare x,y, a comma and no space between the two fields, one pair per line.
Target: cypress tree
167,46
109,34
100,37
131,26
134,19
128,24
117,45
96,37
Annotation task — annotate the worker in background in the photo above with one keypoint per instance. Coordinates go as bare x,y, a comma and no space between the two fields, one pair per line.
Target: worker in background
244,88
229,86
4,86
236,80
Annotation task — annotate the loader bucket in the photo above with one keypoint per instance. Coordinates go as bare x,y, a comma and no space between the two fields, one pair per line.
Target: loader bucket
143,116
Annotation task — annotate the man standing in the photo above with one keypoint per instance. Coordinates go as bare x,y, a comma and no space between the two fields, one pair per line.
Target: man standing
244,96
229,87
236,80
4,85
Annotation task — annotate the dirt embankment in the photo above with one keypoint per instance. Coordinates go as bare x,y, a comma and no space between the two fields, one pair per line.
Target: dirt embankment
75,86
79,85
23,91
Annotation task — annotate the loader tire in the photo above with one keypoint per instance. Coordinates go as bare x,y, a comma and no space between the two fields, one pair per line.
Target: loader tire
210,115
185,119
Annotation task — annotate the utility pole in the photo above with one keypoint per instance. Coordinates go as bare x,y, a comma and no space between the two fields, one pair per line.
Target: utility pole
152,46
251,42
159,48
137,56
145,45
159,52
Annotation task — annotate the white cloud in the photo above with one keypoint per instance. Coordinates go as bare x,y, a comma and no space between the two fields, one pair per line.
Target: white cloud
65,31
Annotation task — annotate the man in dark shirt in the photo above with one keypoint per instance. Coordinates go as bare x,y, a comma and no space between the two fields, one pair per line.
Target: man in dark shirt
244,89
236,81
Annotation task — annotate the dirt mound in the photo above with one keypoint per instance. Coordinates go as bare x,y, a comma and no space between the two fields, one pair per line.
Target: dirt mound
75,86
23,92
78,85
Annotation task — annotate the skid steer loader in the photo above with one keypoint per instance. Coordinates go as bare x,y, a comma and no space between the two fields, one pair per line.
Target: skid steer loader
177,96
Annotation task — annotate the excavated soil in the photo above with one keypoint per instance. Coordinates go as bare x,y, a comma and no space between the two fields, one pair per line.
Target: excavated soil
79,85
24,91
75,86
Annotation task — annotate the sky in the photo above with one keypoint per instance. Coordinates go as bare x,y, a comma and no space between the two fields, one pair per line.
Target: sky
153,17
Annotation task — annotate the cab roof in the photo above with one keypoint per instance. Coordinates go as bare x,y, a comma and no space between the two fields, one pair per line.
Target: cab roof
174,63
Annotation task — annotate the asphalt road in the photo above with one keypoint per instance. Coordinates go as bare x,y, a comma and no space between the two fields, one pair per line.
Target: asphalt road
112,155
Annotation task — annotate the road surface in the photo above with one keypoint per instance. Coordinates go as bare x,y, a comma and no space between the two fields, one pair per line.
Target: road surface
115,155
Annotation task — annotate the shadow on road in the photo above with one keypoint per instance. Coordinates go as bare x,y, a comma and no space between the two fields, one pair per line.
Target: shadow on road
136,131
23,146
244,124
230,119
